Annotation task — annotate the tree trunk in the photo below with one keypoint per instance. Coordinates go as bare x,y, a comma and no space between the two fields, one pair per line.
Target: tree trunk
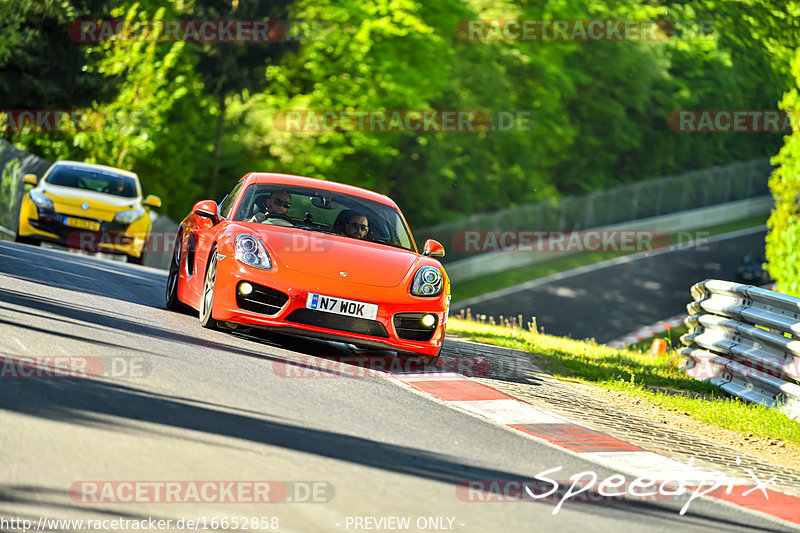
218,144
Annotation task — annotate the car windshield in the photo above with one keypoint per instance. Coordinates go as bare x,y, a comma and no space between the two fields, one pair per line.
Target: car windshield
93,180
325,211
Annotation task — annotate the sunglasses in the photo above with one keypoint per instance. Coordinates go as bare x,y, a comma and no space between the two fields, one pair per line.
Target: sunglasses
362,227
280,203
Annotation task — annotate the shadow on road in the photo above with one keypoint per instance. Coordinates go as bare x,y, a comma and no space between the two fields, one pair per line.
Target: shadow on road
117,407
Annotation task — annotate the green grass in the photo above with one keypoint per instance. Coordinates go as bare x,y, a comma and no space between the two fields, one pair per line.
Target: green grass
640,375
672,336
482,285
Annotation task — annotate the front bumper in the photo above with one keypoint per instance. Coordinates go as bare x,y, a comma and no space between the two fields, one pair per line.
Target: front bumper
391,329
109,237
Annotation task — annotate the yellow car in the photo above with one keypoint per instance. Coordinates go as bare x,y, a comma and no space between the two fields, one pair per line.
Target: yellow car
89,207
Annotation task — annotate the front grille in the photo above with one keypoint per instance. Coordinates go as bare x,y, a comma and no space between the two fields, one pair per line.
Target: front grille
56,223
409,326
110,233
350,324
262,300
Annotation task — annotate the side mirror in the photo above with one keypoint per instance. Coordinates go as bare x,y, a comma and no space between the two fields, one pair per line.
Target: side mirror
152,201
29,179
433,249
207,209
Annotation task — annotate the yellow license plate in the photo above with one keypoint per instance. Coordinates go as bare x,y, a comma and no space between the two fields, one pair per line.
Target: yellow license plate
91,225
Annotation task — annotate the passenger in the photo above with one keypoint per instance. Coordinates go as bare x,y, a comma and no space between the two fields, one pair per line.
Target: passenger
357,226
352,224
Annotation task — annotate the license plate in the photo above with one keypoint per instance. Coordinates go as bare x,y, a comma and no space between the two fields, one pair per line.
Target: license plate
82,224
341,306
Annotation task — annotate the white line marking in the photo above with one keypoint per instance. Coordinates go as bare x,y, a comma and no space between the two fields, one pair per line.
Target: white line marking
510,412
654,466
558,276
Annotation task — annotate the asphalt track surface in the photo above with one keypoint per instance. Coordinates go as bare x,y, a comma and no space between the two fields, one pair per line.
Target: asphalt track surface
196,405
610,302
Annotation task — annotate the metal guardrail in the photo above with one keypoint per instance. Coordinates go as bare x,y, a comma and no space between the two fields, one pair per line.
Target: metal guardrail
624,203
678,224
746,340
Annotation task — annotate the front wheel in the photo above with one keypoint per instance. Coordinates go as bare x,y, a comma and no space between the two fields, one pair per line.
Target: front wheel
132,259
209,285
430,360
26,240
171,300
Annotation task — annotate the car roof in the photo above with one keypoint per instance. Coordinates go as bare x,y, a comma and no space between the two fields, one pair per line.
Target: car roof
101,168
302,181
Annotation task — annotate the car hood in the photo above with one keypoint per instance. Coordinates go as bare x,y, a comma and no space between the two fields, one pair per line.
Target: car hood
337,257
68,200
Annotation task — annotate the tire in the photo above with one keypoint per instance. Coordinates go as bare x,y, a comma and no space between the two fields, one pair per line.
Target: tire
171,297
430,360
136,260
26,240
207,297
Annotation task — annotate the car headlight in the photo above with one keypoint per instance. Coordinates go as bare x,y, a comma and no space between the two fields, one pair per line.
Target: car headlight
252,252
43,203
128,217
428,281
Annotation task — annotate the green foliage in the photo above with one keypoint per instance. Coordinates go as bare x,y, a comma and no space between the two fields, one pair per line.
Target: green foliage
597,110
159,98
191,117
9,182
40,67
228,69
783,239
657,380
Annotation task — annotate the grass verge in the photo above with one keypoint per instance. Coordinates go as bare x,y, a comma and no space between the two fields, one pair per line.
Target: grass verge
482,285
639,374
671,335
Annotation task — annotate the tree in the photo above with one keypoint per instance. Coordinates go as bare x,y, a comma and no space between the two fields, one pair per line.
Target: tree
783,239
229,68
41,68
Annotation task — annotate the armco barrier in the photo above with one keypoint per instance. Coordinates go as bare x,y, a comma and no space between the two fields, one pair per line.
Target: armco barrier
746,340
495,262
628,202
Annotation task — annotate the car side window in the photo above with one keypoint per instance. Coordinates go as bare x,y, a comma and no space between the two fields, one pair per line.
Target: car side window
226,204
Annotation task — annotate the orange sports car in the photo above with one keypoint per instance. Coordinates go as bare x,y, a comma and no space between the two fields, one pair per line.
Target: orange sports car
311,257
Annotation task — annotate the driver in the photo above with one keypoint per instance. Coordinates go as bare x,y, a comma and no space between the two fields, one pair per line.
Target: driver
278,202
